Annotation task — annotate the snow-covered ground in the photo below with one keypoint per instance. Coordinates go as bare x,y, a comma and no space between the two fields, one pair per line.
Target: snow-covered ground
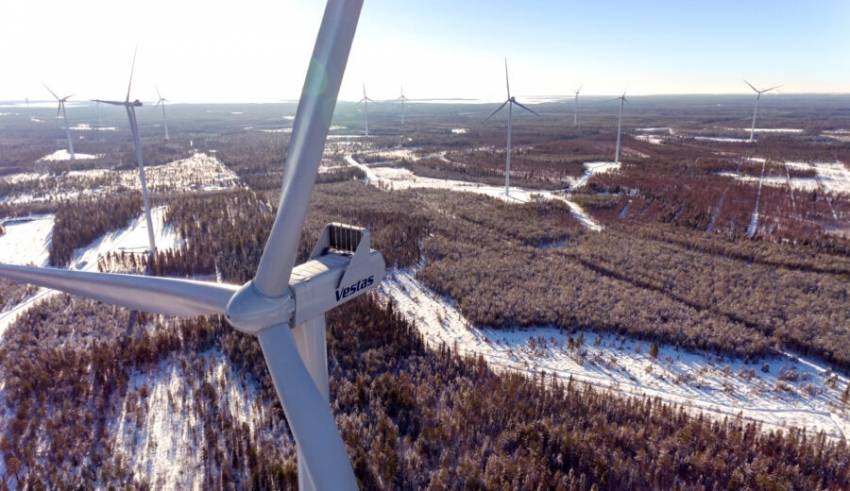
724,139
200,172
780,392
773,130
33,242
832,177
394,178
88,127
653,139
165,446
592,168
27,240
459,131
61,155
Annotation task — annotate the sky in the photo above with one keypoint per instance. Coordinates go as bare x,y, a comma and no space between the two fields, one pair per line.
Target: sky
257,50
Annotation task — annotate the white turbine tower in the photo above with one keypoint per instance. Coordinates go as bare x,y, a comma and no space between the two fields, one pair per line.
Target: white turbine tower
575,106
756,108
130,107
622,100
61,110
283,306
510,102
403,100
161,102
365,101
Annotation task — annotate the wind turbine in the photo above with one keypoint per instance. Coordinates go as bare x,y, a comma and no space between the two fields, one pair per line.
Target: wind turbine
365,100
575,107
756,108
130,107
403,100
161,102
510,102
622,100
61,110
283,306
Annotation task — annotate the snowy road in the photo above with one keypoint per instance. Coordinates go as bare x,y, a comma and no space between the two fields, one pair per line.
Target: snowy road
792,392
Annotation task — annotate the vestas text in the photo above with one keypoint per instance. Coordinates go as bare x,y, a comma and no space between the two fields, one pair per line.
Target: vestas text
356,287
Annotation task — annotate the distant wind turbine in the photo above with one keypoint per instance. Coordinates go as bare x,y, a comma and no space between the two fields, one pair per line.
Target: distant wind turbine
510,102
61,110
575,107
282,306
756,108
161,102
365,100
403,100
130,107
622,100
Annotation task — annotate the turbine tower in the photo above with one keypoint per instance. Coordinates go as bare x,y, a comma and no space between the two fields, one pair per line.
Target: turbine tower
403,100
756,108
130,107
622,100
283,306
161,102
575,107
61,110
510,102
365,101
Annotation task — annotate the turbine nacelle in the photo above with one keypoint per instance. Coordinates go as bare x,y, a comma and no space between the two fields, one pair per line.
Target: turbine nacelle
343,266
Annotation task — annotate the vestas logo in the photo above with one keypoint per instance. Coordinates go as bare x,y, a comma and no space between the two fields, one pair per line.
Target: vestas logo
356,287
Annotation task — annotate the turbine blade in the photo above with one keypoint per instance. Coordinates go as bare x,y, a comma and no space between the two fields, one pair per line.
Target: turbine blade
309,132
158,95
132,69
497,110
111,103
526,108
51,92
772,88
168,296
507,80
751,86
307,412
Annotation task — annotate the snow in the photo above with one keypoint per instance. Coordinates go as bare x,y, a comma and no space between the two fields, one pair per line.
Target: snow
701,382
164,448
660,129
754,220
723,139
35,241
278,130
27,240
394,178
459,131
774,130
653,139
833,177
88,127
592,168
63,154
198,172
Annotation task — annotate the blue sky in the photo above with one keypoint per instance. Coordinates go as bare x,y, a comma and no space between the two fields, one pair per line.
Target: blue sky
256,50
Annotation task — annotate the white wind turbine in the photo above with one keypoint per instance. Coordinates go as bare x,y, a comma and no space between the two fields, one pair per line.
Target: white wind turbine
575,106
365,101
510,102
161,102
756,108
403,100
61,110
283,306
130,107
622,100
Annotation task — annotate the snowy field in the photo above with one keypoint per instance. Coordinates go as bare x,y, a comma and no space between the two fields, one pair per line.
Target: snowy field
27,240
161,436
394,178
63,155
780,392
833,177
200,172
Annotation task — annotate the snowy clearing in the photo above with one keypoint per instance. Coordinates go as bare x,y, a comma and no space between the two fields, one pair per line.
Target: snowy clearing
27,240
161,435
653,139
833,177
724,139
61,155
781,392
393,178
773,130
88,127
459,131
